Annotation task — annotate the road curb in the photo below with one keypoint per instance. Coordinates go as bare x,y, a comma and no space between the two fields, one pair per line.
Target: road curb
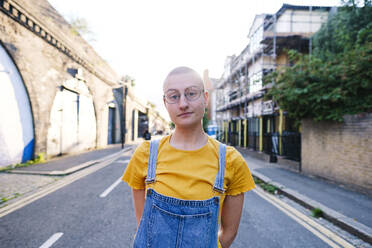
70,170
348,224
33,196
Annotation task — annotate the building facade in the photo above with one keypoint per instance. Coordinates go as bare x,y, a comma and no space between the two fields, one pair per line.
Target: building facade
245,117
141,116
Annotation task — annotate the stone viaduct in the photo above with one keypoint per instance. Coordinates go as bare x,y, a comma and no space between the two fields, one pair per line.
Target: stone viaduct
56,93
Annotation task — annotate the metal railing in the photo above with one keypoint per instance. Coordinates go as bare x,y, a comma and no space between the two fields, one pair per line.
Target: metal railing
253,141
291,145
287,145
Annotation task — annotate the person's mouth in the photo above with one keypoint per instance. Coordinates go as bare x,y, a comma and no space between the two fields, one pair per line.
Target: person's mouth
184,114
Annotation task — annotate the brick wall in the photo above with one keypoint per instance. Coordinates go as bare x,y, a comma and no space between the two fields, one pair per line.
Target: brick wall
44,67
341,152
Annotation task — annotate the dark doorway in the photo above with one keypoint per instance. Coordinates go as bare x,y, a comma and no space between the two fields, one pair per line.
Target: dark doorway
111,126
143,124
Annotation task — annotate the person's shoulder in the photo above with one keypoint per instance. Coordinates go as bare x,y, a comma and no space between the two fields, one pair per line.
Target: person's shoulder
229,149
213,141
232,151
143,148
233,156
215,144
164,140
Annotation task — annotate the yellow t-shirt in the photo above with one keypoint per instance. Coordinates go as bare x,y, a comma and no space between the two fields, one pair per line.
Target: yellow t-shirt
189,175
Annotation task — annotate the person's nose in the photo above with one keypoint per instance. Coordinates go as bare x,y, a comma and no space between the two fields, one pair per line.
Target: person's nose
183,103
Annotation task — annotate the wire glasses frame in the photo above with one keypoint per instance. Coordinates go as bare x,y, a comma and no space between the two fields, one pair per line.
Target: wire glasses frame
191,94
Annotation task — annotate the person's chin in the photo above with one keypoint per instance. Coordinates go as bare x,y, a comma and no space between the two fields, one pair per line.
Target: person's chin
186,122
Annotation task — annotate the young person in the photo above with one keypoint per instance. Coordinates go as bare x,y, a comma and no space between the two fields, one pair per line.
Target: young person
188,189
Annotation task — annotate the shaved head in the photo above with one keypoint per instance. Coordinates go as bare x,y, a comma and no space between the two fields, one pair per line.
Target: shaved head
183,70
182,111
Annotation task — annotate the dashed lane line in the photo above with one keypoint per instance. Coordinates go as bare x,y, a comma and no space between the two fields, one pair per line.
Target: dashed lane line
109,189
51,240
116,183
59,184
122,161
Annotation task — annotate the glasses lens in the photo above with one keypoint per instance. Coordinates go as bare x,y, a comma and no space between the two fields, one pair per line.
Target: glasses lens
192,94
172,96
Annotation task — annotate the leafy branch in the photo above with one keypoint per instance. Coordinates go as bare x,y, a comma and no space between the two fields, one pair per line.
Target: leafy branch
337,79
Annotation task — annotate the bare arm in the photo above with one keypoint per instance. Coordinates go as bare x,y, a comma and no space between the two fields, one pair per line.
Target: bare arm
139,203
230,219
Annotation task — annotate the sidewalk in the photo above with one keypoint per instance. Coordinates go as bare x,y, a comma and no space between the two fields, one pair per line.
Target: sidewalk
350,210
68,164
21,182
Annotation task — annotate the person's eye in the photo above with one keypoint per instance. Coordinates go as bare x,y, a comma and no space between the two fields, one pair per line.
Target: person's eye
192,93
173,96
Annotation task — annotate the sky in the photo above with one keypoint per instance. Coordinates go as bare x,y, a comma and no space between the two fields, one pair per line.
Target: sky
145,39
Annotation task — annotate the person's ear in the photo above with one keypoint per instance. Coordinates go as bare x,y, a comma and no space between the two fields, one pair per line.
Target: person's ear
206,96
165,104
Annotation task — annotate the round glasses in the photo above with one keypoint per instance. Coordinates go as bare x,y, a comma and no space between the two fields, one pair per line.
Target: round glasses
174,96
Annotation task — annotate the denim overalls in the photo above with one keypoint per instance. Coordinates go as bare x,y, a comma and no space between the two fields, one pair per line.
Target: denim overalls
169,222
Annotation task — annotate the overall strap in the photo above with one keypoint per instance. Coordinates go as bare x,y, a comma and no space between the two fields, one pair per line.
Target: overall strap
153,154
219,182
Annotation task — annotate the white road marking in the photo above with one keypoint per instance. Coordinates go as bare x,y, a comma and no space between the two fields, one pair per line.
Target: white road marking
59,184
318,230
122,161
51,240
109,189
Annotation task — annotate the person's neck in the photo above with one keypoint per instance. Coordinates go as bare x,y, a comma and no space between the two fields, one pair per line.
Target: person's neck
188,138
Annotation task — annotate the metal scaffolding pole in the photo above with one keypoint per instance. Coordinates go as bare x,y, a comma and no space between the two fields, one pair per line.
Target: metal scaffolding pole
274,42
310,38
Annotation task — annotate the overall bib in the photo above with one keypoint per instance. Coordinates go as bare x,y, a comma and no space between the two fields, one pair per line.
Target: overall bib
169,222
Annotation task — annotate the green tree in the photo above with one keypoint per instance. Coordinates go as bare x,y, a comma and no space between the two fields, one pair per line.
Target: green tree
80,26
205,120
349,27
171,125
129,79
337,78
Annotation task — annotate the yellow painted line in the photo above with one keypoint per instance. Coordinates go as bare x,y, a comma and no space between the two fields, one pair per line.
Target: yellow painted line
318,230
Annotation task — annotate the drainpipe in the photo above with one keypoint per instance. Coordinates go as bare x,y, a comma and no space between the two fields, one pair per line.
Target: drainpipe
124,129
261,133
280,131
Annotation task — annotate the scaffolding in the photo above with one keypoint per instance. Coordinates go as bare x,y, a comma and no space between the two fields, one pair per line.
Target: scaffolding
241,101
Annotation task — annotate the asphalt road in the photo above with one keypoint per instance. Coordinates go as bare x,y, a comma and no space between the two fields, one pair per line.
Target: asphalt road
76,216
